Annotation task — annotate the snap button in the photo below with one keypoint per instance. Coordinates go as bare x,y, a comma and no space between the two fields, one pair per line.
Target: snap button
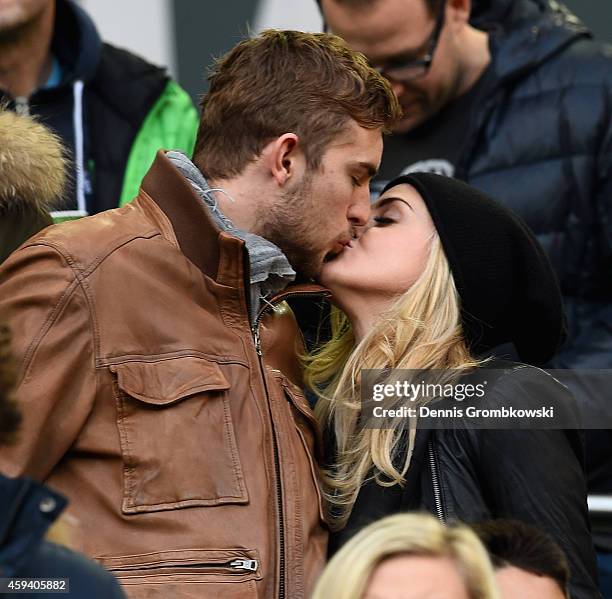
47,505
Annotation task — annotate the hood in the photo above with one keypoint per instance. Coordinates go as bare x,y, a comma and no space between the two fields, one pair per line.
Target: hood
525,33
76,43
27,509
32,164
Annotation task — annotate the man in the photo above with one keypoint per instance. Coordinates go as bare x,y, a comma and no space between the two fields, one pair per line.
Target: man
112,109
157,371
528,563
516,101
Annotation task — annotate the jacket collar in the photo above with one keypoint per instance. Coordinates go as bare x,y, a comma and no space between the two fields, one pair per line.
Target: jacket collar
198,237
525,33
196,233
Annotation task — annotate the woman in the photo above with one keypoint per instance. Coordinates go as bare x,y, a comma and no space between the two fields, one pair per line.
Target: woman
409,556
442,275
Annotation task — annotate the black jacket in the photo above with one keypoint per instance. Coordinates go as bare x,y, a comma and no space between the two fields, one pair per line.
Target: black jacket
27,509
119,91
469,475
540,141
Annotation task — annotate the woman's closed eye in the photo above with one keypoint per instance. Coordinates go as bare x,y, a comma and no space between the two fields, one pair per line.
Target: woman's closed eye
382,221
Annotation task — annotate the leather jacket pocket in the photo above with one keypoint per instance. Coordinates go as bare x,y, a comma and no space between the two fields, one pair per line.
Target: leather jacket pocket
214,572
177,436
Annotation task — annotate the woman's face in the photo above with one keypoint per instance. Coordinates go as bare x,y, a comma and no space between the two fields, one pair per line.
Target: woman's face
392,252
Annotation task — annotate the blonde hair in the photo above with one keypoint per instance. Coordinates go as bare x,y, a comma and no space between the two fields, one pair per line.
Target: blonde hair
422,330
347,574
32,163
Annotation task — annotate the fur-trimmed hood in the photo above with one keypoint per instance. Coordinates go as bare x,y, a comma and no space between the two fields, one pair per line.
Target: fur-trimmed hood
32,164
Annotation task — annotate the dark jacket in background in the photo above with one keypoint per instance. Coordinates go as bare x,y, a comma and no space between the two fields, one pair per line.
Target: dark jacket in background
27,509
535,476
541,142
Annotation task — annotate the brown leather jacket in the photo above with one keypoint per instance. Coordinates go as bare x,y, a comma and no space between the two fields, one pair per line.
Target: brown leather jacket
178,432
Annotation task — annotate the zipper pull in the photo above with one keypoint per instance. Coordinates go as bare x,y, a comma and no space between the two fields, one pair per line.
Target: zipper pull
257,339
245,564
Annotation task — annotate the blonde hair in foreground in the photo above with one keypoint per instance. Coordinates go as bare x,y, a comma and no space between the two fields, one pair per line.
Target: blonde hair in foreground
422,330
347,574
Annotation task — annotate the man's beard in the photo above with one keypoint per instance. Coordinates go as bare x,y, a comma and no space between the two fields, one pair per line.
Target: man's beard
291,227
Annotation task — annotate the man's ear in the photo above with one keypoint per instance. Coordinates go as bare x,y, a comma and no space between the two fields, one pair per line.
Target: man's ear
283,158
459,11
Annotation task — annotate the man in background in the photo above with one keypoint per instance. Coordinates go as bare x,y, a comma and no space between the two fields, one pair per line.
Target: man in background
528,563
515,98
112,109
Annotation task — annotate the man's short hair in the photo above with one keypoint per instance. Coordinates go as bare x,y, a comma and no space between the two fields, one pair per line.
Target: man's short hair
310,84
514,543
9,415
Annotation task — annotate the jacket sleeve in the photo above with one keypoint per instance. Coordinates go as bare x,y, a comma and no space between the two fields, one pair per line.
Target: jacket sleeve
43,300
537,476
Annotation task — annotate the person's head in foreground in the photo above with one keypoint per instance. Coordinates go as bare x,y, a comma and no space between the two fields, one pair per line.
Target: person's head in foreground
528,563
426,48
441,275
409,556
292,124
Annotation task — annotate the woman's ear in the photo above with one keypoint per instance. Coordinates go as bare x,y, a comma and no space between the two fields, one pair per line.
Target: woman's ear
283,158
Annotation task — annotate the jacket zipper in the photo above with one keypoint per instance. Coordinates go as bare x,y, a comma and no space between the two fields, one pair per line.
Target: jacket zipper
279,491
433,463
238,566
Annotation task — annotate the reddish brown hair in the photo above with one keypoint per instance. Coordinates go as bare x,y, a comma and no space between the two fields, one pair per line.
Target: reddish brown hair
287,82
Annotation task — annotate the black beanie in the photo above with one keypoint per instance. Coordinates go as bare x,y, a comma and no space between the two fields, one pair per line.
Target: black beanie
508,290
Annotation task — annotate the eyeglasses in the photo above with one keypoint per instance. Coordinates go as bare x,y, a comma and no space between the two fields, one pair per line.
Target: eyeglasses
402,68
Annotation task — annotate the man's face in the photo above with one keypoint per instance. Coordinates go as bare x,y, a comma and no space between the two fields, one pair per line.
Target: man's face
515,583
393,31
314,219
16,13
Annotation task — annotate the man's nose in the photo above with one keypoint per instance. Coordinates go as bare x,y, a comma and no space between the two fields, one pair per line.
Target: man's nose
359,211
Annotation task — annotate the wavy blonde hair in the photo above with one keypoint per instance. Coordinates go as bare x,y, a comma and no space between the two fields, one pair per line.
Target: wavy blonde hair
347,574
422,330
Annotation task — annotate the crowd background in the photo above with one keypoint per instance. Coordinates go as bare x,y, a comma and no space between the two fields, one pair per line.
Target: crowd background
170,32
